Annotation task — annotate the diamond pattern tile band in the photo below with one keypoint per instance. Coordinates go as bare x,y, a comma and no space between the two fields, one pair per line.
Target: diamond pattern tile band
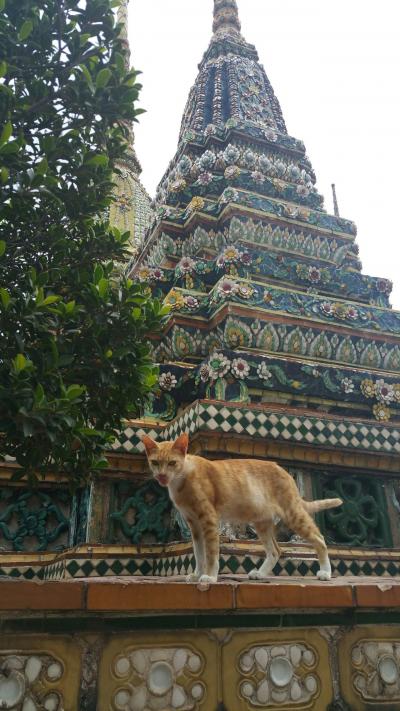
274,425
177,559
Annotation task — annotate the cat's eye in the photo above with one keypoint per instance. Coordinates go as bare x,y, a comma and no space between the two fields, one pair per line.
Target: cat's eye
172,464
154,463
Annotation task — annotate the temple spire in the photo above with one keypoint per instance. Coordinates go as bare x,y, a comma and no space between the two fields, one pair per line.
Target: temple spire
131,211
335,201
122,19
226,17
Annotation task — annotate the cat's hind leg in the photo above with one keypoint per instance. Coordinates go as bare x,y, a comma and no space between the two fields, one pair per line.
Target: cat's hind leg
265,532
303,524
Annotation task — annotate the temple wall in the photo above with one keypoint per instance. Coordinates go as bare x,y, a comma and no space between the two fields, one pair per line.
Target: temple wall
97,661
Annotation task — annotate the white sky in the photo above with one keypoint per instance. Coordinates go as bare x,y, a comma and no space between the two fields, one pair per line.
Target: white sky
334,66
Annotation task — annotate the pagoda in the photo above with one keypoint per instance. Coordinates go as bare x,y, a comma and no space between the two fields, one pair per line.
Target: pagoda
131,211
277,347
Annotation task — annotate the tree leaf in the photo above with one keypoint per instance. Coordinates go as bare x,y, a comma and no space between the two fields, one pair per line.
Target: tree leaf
3,246
39,296
102,287
87,75
103,78
4,174
70,307
5,298
42,167
84,38
119,61
75,391
39,394
99,159
25,30
9,148
98,273
50,300
101,464
6,133
20,363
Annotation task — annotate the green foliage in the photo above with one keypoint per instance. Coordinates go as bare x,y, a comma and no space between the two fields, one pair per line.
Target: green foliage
74,355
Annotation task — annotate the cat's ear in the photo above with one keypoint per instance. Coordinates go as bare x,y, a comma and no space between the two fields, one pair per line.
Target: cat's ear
182,443
149,443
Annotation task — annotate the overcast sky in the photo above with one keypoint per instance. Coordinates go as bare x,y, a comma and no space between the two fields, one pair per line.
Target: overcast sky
334,65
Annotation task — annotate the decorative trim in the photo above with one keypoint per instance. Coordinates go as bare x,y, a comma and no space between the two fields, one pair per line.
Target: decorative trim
176,559
263,297
266,333
262,422
240,377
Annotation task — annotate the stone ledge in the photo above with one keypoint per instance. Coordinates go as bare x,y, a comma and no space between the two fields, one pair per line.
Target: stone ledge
230,594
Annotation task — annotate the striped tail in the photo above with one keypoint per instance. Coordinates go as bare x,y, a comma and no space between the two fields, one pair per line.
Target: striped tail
315,506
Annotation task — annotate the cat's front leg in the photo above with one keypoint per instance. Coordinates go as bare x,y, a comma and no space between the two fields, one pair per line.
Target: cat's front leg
211,544
198,551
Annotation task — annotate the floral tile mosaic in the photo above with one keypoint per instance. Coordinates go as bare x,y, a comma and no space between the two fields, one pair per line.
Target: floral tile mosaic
242,377
236,260
289,301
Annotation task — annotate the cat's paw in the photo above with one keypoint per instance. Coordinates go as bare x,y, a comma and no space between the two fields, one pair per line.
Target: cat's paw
258,574
205,581
192,578
208,579
324,575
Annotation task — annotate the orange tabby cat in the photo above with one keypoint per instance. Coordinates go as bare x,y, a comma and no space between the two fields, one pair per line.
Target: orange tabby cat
235,491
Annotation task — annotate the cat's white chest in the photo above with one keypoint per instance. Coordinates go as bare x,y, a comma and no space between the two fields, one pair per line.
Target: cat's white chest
173,490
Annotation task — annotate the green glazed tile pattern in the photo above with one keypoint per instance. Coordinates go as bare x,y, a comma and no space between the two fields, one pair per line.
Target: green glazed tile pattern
226,418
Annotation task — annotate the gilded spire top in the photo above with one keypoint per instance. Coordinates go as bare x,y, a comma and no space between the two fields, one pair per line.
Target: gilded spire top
226,17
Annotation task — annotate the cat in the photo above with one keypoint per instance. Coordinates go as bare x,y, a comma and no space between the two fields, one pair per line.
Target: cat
235,491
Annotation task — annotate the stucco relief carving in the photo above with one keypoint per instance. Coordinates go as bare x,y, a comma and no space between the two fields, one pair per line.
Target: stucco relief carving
278,675
28,682
376,670
159,678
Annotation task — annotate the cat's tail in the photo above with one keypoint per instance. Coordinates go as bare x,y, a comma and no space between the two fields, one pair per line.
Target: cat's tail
315,506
